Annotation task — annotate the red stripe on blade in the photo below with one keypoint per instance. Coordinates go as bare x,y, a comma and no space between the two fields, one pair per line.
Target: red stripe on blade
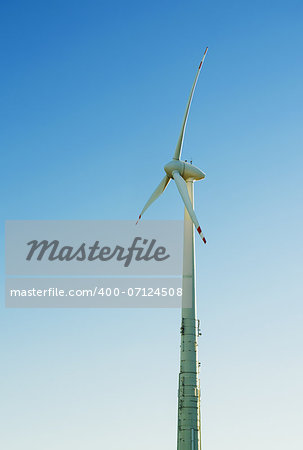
199,230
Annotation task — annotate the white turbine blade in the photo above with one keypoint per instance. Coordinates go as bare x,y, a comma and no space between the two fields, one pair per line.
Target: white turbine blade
178,150
181,185
157,192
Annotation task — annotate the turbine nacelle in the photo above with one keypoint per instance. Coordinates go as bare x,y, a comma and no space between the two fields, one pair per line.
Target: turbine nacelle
185,169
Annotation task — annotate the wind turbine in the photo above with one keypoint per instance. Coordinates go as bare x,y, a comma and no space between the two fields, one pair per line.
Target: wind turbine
184,174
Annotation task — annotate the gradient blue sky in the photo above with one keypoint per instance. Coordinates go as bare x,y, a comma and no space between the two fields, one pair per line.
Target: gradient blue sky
92,98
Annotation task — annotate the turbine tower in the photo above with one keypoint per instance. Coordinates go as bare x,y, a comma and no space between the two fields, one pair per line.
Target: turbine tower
184,174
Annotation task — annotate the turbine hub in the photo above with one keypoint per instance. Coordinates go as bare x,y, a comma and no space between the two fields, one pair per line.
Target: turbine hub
185,169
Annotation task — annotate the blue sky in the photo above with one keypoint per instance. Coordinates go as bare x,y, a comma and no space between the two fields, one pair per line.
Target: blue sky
92,100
